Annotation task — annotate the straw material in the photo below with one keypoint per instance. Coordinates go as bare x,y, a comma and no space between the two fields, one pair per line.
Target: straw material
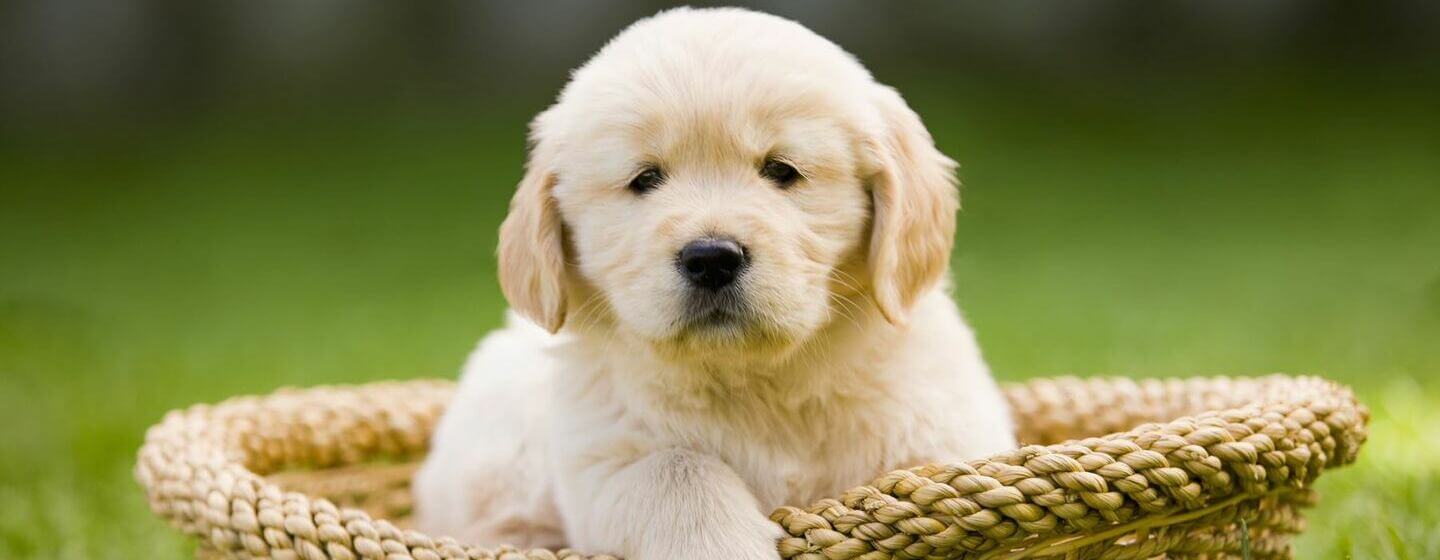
316,473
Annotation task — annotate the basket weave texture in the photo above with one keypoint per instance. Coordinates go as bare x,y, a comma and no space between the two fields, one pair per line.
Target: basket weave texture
1193,468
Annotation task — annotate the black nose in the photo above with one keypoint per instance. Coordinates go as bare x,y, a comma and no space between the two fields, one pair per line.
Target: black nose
711,263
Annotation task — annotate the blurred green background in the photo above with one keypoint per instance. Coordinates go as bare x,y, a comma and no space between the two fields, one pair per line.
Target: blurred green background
200,200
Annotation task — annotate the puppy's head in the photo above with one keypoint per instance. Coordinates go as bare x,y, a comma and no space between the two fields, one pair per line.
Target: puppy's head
721,180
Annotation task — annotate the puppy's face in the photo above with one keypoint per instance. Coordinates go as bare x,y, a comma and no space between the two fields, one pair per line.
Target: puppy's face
709,190
700,225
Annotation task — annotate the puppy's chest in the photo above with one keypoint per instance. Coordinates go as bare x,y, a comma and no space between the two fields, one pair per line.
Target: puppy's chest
797,460
800,479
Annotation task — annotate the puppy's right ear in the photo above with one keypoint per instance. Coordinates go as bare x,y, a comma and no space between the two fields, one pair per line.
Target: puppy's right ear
914,198
532,244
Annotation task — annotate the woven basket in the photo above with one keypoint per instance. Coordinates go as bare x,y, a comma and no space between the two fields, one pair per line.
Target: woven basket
324,473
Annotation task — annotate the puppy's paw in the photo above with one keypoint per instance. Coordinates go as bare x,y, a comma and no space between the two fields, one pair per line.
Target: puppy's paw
753,550
754,541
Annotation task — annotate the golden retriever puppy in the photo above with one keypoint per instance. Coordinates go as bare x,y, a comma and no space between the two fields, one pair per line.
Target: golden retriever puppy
729,251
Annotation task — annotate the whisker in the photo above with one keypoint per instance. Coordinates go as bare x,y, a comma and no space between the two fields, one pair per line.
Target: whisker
843,310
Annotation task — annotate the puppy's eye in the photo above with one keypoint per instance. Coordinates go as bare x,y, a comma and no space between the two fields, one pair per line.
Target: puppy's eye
782,173
648,180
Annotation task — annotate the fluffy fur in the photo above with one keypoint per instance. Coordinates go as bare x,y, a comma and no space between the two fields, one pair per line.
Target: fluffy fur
608,420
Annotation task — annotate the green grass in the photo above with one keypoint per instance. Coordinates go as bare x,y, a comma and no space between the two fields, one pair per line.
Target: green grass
141,274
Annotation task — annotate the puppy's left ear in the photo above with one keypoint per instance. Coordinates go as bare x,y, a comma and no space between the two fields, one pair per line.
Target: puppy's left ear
532,243
915,198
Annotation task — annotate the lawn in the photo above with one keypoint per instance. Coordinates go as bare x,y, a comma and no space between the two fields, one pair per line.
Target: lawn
1245,233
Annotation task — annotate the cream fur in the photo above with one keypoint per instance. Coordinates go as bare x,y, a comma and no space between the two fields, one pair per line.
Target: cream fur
632,432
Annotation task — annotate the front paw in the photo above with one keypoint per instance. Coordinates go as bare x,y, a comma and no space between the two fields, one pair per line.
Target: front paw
756,542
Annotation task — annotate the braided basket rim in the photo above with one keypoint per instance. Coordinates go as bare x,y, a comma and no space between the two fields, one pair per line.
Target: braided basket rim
1237,450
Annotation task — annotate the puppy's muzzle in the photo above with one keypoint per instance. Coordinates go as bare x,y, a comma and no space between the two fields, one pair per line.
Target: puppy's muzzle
711,263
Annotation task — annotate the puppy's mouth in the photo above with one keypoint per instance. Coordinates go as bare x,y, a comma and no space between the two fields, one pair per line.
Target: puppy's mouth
724,327
723,310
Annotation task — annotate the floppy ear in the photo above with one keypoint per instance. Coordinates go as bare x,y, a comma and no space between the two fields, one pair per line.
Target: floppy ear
914,200
531,253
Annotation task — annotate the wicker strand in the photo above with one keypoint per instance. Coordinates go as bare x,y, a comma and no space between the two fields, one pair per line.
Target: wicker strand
1184,462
